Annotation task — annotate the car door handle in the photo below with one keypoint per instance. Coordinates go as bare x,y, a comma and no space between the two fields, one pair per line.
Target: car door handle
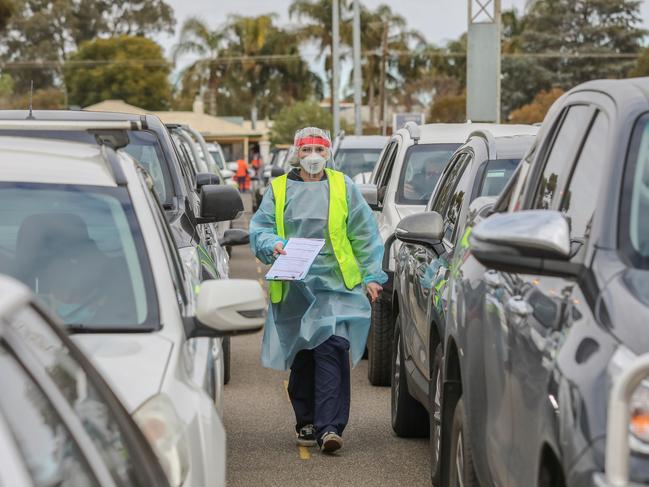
492,279
519,307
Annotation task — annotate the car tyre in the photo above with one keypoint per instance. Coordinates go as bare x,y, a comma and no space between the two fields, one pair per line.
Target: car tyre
379,343
409,418
461,470
435,415
226,359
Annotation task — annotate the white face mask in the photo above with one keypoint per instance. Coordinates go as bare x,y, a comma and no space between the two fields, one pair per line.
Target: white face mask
313,163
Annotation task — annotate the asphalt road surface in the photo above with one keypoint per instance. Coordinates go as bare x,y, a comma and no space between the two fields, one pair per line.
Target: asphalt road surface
260,424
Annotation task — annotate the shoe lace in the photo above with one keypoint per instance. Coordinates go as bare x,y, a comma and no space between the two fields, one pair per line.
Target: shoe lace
307,430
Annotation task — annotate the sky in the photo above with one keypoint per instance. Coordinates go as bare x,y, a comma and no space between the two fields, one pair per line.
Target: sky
437,20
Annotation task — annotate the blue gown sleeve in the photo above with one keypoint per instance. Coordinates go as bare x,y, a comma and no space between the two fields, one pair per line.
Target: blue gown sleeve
363,233
263,231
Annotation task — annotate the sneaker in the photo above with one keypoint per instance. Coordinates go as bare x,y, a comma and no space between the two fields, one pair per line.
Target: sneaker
306,436
330,442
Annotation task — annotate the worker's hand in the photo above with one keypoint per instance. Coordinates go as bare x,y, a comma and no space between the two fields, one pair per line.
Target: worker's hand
374,290
279,249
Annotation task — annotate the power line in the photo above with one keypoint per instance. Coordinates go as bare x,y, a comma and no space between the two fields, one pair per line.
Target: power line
294,57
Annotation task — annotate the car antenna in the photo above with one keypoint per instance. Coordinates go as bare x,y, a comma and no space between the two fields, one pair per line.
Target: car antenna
30,116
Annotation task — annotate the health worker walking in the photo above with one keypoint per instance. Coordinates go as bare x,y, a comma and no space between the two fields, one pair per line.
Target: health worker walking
316,324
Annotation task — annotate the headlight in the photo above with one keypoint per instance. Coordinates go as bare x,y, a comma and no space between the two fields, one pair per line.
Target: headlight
161,425
639,403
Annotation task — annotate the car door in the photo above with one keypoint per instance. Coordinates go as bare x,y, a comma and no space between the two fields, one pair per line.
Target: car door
541,314
117,439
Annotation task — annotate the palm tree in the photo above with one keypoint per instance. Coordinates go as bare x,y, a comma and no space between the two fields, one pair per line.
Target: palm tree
197,39
318,15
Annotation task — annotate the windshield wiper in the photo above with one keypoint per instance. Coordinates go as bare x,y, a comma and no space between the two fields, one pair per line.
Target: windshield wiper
82,328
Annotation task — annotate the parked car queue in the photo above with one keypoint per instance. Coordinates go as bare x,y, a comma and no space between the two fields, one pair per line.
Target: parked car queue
519,298
121,251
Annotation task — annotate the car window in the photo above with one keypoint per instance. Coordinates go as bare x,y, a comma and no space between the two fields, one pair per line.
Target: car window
51,454
581,198
454,208
80,250
445,192
495,176
144,147
356,161
634,228
422,167
561,156
97,418
386,166
218,160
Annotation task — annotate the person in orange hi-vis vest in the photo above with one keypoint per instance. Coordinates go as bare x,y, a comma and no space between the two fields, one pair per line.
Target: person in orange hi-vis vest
243,178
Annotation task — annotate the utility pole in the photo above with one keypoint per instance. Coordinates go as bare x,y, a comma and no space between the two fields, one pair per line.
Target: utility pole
358,81
384,56
483,61
335,69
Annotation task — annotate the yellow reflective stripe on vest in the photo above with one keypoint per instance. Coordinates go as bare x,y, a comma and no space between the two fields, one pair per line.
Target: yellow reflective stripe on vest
337,224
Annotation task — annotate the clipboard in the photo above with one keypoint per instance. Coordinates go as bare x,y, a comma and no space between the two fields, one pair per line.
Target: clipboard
295,265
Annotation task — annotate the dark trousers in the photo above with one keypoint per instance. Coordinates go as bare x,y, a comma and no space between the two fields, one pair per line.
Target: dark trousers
319,386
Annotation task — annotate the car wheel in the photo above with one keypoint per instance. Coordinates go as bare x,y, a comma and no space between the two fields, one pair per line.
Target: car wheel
409,418
461,471
435,415
226,360
379,343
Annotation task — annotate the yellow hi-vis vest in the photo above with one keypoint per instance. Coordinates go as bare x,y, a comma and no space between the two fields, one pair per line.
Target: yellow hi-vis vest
337,224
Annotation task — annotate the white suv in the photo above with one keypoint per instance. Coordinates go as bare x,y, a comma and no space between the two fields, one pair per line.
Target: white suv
400,185
81,226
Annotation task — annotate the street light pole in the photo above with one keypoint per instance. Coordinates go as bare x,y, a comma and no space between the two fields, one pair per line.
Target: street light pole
335,54
358,81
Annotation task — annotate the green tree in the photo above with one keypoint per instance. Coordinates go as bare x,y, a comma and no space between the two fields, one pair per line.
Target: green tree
249,62
47,31
535,111
317,18
642,65
448,109
296,116
128,68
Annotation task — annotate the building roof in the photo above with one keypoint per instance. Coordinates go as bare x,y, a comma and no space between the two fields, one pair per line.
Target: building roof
207,125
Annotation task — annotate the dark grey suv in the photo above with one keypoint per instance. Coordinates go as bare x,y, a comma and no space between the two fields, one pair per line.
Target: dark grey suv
550,303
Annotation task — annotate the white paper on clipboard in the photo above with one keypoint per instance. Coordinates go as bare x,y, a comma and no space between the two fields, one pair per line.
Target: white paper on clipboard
294,266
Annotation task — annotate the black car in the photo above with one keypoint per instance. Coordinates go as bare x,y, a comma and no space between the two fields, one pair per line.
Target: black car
550,303
60,424
147,139
475,175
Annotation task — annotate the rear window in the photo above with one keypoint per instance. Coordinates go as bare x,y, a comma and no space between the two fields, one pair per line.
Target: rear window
496,176
356,161
422,167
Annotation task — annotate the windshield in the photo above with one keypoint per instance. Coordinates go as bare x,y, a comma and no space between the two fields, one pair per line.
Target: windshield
637,192
80,250
496,175
356,161
422,167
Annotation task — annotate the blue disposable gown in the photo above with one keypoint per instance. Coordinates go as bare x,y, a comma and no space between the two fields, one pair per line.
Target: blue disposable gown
319,306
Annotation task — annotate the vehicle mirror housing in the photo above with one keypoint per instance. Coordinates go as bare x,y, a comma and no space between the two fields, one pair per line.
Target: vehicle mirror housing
532,241
227,307
235,236
205,178
219,203
371,195
276,172
424,228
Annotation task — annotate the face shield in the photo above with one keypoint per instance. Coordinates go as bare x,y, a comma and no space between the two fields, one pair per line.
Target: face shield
311,150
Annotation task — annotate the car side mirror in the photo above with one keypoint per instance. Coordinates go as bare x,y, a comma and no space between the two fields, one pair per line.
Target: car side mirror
227,307
370,194
234,236
205,178
529,242
219,204
276,172
424,228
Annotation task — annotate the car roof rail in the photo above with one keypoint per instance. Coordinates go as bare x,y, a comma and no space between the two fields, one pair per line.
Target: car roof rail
489,139
110,155
70,125
414,131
